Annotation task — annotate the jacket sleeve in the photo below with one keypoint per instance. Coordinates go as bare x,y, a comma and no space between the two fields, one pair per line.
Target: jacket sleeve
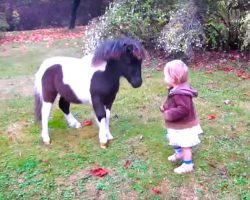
180,111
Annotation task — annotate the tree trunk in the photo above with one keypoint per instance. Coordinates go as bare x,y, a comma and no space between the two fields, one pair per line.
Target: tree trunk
75,6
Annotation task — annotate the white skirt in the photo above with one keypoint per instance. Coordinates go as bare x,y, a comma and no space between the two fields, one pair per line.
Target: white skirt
187,137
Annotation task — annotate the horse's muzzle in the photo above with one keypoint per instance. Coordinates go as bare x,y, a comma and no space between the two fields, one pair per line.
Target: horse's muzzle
136,82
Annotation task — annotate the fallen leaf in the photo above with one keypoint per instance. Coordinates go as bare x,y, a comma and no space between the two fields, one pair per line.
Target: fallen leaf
211,117
127,163
155,190
209,72
99,172
87,122
159,68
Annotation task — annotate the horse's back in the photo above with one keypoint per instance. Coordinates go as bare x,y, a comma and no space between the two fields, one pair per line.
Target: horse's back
76,73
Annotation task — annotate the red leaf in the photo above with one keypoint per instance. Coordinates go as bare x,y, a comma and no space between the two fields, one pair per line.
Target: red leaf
209,71
211,117
159,68
155,190
228,69
99,172
127,163
87,122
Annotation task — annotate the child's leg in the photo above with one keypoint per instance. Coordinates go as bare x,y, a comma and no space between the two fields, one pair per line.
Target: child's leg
187,154
177,155
187,165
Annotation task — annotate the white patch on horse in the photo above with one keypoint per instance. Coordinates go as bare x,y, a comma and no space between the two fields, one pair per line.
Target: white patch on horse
46,107
108,134
72,122
102,131
77,73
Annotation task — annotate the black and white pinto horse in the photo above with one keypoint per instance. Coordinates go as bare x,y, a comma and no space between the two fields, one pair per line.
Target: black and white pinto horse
93,79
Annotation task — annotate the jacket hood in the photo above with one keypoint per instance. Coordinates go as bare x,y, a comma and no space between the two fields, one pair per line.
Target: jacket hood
183,89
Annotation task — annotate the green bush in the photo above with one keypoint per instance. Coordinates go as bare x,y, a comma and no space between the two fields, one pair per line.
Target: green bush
178,29
226,25
141,19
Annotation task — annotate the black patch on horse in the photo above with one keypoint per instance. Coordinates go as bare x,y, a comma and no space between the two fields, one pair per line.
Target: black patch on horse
52,82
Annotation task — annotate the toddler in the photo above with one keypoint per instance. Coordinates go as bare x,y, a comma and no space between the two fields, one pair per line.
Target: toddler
180,117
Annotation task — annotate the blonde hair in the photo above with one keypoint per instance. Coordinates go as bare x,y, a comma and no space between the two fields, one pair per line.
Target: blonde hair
176,71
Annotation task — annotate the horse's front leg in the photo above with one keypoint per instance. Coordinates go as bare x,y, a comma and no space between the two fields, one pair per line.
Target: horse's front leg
108,134
100,112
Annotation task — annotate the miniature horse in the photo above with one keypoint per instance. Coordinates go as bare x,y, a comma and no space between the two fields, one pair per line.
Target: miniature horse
93,79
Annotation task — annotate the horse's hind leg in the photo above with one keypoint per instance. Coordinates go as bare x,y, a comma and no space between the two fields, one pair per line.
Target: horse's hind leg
64,106
46,107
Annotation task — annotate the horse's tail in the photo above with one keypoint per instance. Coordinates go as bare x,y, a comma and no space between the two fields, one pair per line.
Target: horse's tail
38,107
38,95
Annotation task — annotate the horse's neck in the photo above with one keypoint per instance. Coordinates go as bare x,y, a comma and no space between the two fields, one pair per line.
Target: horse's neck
112,71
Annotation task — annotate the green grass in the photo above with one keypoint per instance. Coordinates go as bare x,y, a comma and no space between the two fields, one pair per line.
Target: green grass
30,170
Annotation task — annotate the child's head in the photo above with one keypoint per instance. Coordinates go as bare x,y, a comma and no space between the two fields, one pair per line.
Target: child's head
175,72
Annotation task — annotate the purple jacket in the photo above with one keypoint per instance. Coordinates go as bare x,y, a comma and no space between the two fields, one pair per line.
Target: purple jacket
179,111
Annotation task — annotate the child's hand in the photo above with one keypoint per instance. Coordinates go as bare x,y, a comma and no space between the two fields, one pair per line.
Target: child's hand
161,108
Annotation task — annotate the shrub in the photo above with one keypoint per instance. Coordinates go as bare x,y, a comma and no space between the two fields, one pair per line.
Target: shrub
4,26
246,29
184,32
226,24
141,19
191,25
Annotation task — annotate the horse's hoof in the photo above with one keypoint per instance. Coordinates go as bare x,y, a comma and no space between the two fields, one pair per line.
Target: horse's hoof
110,140
103,145
47,143
78,125
75,125
110,137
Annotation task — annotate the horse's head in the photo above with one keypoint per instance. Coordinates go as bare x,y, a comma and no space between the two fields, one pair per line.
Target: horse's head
125,54
130,64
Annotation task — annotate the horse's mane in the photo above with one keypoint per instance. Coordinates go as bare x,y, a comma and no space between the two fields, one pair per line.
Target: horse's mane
113,49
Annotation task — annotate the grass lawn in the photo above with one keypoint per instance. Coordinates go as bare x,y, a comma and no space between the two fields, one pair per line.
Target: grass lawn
30,170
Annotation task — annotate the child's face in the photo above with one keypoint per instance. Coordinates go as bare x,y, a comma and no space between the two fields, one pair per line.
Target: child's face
167,80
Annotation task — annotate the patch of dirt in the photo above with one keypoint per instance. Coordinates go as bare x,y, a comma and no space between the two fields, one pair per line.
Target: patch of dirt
82,174
187,193
184,192
137,148
124,192
14,130
93,193
164,187
128,195
90,189
11,88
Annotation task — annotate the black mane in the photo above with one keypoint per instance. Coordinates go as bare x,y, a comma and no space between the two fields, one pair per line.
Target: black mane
113,49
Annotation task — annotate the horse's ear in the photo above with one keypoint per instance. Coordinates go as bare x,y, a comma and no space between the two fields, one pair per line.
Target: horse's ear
128,48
